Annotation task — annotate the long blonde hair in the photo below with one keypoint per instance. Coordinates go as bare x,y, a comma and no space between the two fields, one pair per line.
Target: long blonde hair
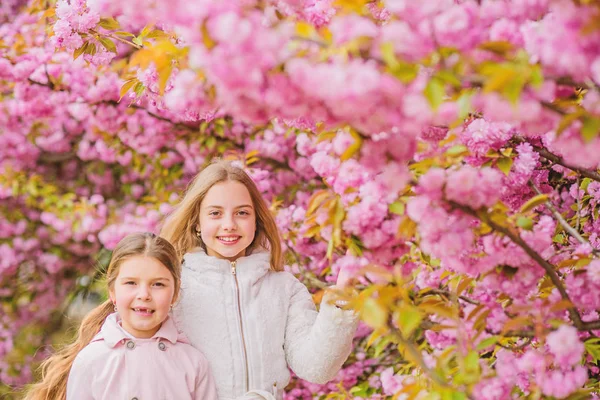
180,227
55,370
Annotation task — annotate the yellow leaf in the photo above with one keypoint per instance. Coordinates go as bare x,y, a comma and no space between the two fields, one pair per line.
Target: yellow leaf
354,147
407,228
125,88
355,6
110,24
534,202
304,29
498,47
500,77
504,164
108,44
464,283
80,50
561,305
373,313
208,41
326,135
316,200
516,323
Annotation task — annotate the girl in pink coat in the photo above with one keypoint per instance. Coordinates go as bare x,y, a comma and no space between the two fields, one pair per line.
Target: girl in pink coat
135,352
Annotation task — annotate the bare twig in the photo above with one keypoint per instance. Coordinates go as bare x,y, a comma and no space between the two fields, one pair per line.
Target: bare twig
578,216
521,346
110,35
309,40
448,294
417,357
572,231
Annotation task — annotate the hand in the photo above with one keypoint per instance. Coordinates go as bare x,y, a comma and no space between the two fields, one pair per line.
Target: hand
345,278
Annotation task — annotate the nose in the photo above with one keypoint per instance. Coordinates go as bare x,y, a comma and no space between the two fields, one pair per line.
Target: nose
143,293
229,223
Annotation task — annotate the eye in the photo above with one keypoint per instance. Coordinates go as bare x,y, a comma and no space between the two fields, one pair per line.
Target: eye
159,284
243,212
129,283
214,213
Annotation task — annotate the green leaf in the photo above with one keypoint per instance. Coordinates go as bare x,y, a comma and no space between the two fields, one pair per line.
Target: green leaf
585,183
559,238
389,58
525,223
109,23
147,29
457,150
537,77
405,72
581,394
108,44
435,93
464,105
137,40
139,88
590,129
534,202
472,361
484,344
397,208
409,319
504,164
381,346
592,346
449,77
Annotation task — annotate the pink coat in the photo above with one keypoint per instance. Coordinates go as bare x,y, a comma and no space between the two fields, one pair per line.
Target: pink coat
116,365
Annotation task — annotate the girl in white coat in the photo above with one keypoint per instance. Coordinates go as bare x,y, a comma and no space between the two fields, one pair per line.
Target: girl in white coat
251,319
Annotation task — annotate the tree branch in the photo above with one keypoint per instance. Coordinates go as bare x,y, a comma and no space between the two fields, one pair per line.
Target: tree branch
558,160
549,268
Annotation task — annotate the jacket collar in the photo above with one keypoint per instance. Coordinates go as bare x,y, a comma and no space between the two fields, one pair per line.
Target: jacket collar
113,333
251,267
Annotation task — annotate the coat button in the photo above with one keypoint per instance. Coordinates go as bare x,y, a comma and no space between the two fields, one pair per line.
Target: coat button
162,346
130,345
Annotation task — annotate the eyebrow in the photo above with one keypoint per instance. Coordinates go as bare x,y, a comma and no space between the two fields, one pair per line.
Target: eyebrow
242,206
136,278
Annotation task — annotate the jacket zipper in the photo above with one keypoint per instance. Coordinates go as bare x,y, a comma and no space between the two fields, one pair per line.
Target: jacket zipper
239,309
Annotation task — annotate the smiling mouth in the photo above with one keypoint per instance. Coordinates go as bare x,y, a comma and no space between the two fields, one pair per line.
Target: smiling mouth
229,239
143,311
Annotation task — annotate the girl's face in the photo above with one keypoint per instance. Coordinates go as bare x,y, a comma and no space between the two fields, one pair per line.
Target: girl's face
227,220
143,292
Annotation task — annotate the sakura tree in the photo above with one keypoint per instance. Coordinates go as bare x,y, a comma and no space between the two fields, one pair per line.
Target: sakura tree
446,152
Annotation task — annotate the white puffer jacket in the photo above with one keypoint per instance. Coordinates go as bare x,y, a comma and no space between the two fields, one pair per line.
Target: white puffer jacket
252,323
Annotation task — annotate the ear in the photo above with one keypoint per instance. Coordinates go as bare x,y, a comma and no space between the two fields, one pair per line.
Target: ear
111,295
